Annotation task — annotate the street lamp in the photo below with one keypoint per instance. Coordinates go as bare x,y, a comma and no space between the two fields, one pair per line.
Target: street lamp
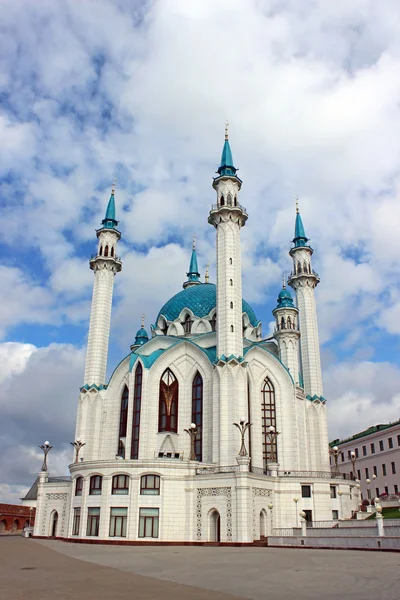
368,482
295,500
353,459
77,445
340,494
46,449
30,514
335,453
243,426
192,431
270,506
272,434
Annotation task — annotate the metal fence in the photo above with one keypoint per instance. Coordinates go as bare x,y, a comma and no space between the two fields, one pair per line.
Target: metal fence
217,469
63,479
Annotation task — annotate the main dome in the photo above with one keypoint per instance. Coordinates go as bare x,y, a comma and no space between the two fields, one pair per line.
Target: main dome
200,299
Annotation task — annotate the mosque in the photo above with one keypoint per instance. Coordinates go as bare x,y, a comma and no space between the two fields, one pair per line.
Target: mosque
207,431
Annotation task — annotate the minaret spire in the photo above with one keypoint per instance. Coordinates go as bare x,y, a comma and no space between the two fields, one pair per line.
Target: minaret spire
193,273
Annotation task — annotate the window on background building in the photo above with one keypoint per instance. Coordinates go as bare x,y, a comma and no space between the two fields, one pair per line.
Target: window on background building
168,403
197,413
335,515
150,485
120,484
358,474
333,491
393,465
93,522
381,446
78,486
348,454
308,516
377,492
364,449
390,442
306,491
121,449
398,440
77,521
118,519
268,419
386,490
366,473
372,448
396,488
148,522
383,469
375,470
137,401
342,456
356,451
123,415
96,482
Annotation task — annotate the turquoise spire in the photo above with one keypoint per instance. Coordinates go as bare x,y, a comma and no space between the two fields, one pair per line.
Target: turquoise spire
141,336
285,297
109,221
226,167
300,238
193,273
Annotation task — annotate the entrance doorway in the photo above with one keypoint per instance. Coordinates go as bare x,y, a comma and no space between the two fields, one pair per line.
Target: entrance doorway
54,522
263,524
215,526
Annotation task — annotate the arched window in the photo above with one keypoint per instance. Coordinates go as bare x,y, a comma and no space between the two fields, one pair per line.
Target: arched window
283,326
78,486
213,323
121,449
101,251
305,268
229,200
222,201
289,323
231,304
235,201
230,261
268,415
197,413
123,415
106,251
150,485
231,282
187,325
298,267
112,251
168,404
96,482
137,400
120,484
231,328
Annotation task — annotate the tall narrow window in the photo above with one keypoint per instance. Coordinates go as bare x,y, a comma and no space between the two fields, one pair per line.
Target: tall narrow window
137,400
78,486
95,485
93,522
123,416
187,325
231,328
168,404
118,519
197,414
106,251
230,261
112,251
213,323
121,449
222,201
101,250
268,420
231,282
231,304
148,522
76,522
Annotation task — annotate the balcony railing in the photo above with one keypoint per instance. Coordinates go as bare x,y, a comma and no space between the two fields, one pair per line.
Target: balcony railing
314,474
93,256
215,470
63,479
218,206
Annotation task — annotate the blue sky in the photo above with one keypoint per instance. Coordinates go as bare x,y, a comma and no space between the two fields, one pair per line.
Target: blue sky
141,91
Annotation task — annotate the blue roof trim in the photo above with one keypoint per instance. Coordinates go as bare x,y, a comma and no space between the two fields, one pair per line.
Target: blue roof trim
93,386
148,361
315,397
109,221
300,238
201,300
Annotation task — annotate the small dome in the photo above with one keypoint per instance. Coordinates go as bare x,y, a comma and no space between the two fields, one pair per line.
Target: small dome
141,337
285,299
200,299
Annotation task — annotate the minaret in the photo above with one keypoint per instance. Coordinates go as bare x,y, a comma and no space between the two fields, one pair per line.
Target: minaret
304,280
104,264
228,216
193,274
287,331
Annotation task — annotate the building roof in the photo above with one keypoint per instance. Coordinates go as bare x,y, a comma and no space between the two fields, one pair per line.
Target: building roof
200,299
371,430
32,493
285,299
300,238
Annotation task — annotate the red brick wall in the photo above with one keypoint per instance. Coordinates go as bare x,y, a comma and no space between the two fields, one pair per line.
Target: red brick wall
13,517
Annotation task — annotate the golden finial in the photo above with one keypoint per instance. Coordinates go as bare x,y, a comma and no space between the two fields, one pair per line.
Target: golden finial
194,242
113,186
207,277
226,129
284,281
297,205
143,318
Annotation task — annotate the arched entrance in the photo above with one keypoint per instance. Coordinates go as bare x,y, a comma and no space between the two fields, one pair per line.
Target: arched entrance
54,521
15,526
3,526
263,524
215,526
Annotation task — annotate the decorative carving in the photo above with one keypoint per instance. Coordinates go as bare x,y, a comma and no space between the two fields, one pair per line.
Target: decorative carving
55,496
261,492
216,491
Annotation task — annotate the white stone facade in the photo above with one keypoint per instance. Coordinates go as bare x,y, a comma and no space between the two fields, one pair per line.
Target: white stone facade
206,363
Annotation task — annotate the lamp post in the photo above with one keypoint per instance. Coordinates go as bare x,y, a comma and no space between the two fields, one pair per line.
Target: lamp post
303,523
272,434
353,459
368,482
243,426
30,514
335,453
340,494
270,506
192,431
77,445
295,500
46,449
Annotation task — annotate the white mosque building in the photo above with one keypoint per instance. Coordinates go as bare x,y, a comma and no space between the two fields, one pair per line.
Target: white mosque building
159,453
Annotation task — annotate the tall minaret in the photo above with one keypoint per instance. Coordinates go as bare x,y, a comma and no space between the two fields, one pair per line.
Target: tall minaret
303,280
287,332
228,216
105,264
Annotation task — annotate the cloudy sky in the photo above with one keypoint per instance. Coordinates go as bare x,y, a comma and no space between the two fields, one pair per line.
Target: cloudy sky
92,89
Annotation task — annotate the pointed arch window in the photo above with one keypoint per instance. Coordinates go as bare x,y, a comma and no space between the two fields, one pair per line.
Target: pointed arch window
168,403
222,201
229,200
213,323
197,414
101,251
106,251
137,401
187,324
123,416
268,416
112,251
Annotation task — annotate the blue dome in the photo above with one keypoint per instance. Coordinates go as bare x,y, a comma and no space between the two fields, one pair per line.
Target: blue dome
285,299
141,337
200,299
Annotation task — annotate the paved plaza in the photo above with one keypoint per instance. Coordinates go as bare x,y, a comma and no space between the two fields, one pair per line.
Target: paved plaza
48,569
